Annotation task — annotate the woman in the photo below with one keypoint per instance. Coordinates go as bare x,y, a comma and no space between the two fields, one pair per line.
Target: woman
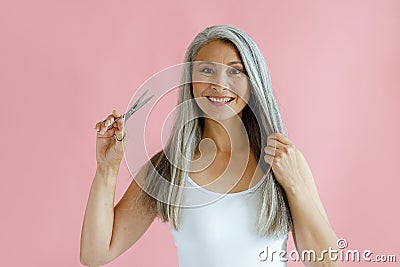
251,184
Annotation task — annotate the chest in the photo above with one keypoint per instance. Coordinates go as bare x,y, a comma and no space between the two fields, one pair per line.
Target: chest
230,172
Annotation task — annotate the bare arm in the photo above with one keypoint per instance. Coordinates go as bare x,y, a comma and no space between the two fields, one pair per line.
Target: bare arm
131,219
312,231
108,231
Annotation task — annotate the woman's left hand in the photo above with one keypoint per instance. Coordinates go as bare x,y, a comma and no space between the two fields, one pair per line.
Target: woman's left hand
288,164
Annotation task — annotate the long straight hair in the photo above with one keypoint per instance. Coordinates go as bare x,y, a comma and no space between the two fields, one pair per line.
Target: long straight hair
262,119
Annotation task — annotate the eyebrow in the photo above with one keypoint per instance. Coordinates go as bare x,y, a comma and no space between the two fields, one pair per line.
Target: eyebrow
214,63
234,62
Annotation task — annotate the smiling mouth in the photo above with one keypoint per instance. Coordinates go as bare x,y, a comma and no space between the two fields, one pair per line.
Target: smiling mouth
220,99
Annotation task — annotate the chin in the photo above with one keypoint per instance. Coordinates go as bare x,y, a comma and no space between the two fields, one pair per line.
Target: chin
223,116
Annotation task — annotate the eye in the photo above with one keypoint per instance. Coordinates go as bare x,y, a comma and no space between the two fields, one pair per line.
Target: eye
235,71
206,70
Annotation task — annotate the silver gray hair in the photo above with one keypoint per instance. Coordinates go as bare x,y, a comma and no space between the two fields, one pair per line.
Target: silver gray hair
262,119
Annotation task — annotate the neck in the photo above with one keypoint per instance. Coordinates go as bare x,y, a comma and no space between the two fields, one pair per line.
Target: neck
228,135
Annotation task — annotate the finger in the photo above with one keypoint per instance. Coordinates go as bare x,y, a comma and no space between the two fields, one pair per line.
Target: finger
278,146
109,120
101,128
116,121
119,131
271,141
269,159
270,150
280,137
119,124
97,128
116,113
274,143
104,125
120,135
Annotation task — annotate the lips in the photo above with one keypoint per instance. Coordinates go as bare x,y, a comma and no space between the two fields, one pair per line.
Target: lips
220,99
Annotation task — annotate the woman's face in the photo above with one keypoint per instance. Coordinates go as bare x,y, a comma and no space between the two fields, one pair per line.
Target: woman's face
220,85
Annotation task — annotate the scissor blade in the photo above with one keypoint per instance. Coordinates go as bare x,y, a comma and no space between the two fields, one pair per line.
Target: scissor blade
141,97
137,101
136,106
132,109
143,102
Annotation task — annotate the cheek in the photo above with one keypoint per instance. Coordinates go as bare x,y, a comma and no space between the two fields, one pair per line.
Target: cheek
244,94
198,88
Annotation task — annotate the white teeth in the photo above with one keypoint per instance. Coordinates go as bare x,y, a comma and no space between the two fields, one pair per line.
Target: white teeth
220,100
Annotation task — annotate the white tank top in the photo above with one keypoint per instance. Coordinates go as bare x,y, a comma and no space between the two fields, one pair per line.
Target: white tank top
220,230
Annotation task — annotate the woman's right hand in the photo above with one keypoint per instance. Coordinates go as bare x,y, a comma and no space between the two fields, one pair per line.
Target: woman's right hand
109,152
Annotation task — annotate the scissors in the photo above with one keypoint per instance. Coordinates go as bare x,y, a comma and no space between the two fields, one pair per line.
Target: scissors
135,107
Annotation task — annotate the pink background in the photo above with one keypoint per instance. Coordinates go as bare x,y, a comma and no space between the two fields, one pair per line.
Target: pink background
64,65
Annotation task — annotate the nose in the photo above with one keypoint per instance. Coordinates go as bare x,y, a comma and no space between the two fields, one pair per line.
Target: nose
220,81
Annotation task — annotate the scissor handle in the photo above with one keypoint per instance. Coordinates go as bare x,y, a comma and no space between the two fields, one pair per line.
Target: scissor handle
137,105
